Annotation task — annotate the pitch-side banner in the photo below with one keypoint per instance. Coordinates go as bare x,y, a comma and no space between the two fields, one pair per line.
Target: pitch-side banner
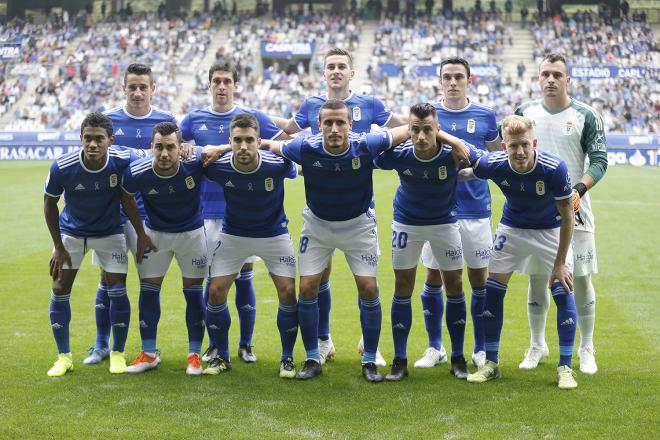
604,72
281,49
637,150
10,51
489,70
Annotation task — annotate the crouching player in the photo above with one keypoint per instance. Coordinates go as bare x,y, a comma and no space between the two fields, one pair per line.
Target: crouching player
425,210
89,180
170,191
533,237
254,224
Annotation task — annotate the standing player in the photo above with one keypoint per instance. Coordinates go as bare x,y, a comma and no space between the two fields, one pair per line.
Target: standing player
534,236
89,180
338,167
475,124
573,131
424,211
210,126
254,224
365,111
132,124
170,191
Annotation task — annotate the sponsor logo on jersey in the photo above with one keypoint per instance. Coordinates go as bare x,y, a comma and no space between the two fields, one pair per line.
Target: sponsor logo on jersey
471,125
113,180
203,128
540,187
190,182
355,163
569,128
119,132
407,172
317,164
357,113
399,326
79,187
229,184
199,262
268,184
442,172
505,183
152,192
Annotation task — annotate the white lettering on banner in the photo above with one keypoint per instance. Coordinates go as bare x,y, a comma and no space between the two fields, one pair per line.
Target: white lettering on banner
630,72
294,48
590,72
48,136
34,153
7,52
634,140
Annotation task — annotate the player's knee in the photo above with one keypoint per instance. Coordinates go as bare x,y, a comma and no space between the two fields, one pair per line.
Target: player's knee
433,277
404,283
114,278
287,294
368,289
309,288
247,266
453,283
218,293
478,277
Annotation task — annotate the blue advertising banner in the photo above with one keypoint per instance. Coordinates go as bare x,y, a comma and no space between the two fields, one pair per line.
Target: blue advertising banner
604,72
488,70
297,49
637,150
10,51
43,145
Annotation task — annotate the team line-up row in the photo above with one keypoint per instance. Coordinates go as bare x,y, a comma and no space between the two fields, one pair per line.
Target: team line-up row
244,180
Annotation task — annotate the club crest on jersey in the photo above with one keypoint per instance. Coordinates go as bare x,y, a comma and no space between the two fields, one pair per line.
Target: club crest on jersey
568,128
268,183
540,187
113,180
442,172
355,163
190,182
357,113
471,125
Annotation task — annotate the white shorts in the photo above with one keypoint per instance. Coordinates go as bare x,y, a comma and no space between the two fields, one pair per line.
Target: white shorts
444,240
213,228
189,249
356,237
277,253
584,253
131,243
110,252
529,251
476,238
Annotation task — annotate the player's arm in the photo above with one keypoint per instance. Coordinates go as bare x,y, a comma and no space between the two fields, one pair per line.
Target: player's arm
398,134
397,120
272,146
459,151
494,145
211,153
560,271
143,240
288,125
60,254
594,144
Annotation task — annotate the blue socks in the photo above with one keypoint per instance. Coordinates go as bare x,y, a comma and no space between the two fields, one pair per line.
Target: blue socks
194,317
494,317
102,312
246,304
476,310
287,324
371,317
455,318
432,306
218,322
60,317
566,322
149,314
325,304
401,323
308,319
120,315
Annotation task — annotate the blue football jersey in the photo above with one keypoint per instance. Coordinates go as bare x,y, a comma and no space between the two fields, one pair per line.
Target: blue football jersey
427,194
208,127
365,111
92,198
172,202
530,197
255,200
135,131
338,187
476,125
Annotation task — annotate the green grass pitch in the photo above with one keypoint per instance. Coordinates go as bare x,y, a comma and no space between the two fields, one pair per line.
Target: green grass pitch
621,401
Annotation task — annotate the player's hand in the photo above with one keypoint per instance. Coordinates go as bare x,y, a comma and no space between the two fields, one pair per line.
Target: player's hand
576,201
144,245
60,256
211,153
564,275
186,151
466,174
461,155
